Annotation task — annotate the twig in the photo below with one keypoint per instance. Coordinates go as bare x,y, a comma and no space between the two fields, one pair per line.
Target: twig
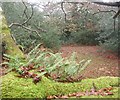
13,38
115,4
63,10
114,24
29,17
27,28
104,11
118,13
25,9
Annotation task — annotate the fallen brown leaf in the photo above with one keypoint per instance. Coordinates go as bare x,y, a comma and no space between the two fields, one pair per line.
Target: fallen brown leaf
72,94
64,97
49,97
79,94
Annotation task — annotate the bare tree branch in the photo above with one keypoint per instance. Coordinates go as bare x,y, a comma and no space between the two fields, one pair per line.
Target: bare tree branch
117,14
63,10
27,28
13,38
104,11
25,20
108,11
114,24
115,4
29,17
25,9
62,7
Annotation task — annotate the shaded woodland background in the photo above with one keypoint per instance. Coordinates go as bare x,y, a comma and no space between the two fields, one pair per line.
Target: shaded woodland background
57,24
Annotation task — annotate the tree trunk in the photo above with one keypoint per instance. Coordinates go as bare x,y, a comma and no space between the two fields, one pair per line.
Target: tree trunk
9,44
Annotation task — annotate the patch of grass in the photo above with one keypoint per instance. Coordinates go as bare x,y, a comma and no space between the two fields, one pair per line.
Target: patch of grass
14,87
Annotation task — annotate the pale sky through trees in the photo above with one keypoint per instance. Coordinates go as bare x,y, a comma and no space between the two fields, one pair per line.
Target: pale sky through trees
71,0
45,1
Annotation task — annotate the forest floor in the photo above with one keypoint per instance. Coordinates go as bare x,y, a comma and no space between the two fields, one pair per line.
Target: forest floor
103,63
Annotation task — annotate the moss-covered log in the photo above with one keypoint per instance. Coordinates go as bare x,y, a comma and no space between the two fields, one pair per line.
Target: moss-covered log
10,45
15,87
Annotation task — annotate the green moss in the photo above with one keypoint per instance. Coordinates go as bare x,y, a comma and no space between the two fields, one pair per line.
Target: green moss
5,31
11,47
14,87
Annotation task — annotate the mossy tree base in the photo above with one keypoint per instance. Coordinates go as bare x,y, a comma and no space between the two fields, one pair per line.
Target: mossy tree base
10,45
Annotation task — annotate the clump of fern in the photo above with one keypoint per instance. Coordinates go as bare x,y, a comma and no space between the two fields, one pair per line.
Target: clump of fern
49,64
